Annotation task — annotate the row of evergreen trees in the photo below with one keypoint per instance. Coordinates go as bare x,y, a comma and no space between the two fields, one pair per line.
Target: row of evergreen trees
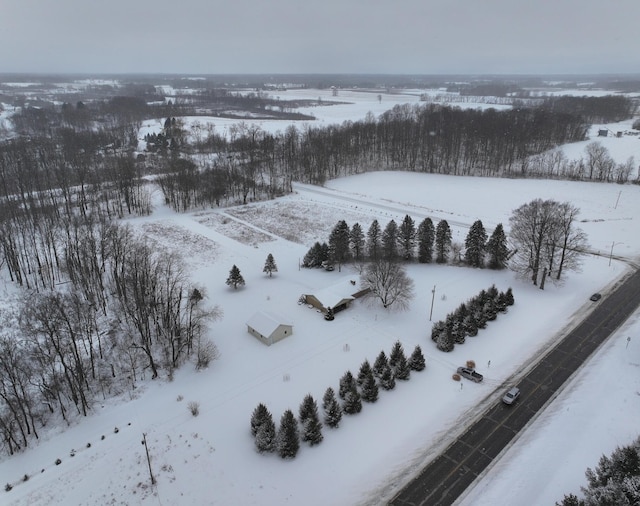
425,243
469,317
307,427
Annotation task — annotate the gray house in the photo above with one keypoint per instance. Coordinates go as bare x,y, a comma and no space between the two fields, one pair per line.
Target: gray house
268,327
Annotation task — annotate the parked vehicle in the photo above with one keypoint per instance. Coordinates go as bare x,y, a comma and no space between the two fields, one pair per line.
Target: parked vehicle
470,374
595,297
511,396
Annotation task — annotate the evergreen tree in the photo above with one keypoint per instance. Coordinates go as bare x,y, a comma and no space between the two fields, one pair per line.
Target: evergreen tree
373,240
475,244
332,409
416,360
352,402
470,325
310,422
508,297
615,481
497,249
347,382
398,362
442,241
369,387
270,265
313,258
380,364
407,237
436,329
307,406
426,236
266,436
260,414
390,241
387,380
235,278
288,438
339,243
365,370
356,241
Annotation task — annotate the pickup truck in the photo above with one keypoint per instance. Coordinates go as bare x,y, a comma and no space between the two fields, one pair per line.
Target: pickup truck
470,374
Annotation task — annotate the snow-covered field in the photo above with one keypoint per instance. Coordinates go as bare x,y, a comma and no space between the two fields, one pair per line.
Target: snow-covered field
210,459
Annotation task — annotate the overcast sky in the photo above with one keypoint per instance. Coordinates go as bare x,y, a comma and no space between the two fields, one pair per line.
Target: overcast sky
322,36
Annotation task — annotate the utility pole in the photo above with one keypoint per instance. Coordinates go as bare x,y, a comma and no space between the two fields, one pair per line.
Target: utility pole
146,447
433,296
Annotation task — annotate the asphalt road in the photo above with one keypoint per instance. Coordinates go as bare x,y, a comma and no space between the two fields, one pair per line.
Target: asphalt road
445,478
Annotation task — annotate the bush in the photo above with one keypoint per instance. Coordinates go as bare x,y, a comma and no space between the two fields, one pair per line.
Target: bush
58,462
8,487
25,477
471,364
194,408
206,353
456,377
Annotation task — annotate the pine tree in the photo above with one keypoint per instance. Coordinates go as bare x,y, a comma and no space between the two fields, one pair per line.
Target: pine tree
266,436
288,438
426,235
387,381
270,265
380,364
352,402
475,244
373,240
443,241
436,329
390,241
339,243
307,406
260,414
369,387
356,241
332,409
365,370
416,360
235,278
508,296
309,421
407,237
497,249
347,382
313,256
398,362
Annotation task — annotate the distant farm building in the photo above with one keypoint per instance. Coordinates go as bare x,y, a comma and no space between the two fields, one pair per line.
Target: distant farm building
603,132
337,297
268,327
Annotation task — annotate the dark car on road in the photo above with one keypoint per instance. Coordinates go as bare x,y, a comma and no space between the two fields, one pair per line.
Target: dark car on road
595,297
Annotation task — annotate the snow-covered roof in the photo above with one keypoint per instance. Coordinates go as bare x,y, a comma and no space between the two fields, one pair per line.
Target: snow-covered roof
336,294
266,322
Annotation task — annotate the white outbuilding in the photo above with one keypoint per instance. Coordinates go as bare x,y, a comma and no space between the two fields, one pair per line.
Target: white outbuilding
269,327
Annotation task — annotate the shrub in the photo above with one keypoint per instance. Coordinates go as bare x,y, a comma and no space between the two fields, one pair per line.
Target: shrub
194,408
8,487
25,477
471,364
456,377
58,462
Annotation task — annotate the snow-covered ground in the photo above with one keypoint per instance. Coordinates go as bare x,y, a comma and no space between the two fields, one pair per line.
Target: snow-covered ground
210,459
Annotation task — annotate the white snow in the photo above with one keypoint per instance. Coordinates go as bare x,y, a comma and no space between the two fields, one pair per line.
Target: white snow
210,459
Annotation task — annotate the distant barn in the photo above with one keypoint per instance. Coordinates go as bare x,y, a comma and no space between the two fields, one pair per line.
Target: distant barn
268,327
603,132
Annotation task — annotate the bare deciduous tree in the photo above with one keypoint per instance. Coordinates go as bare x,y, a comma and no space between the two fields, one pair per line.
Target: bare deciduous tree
388,282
